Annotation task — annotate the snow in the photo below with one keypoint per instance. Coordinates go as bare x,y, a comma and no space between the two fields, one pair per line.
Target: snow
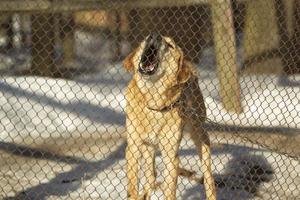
265,103
38,106
36,109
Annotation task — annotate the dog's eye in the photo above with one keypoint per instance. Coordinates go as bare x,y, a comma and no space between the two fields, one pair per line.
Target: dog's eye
169,45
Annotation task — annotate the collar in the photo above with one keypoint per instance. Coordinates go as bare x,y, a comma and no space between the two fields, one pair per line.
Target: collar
168,107
174,104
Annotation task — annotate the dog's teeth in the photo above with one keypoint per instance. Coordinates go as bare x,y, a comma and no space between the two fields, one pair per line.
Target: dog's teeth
151,68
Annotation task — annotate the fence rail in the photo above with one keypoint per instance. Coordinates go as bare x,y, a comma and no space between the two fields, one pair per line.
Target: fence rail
77,5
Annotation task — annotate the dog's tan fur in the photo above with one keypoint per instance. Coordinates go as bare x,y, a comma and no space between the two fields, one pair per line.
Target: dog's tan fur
150,126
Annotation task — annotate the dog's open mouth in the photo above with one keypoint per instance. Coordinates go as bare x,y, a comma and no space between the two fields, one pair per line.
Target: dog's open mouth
149,62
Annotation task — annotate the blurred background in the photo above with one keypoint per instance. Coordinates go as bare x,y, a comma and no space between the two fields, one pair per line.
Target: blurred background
62,94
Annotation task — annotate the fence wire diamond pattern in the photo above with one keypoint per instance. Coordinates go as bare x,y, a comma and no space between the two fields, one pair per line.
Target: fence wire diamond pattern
70,116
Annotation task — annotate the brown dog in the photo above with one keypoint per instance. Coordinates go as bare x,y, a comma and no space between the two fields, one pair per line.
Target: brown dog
162,97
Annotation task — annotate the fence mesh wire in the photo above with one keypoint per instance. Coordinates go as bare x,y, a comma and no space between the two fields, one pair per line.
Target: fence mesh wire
62,98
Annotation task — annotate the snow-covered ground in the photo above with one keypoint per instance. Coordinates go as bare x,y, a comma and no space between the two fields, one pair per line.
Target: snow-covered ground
74,117
35,106
64,139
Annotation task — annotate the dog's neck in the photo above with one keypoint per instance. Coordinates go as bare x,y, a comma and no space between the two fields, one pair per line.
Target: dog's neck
167,107
157,95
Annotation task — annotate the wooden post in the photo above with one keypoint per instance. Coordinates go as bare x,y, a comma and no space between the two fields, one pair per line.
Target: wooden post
67,29
291,59
289,5
117,35
261,38
25,29
16,23
43,41
226,55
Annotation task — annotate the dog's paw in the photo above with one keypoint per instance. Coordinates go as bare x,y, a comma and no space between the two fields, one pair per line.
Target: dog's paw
144,196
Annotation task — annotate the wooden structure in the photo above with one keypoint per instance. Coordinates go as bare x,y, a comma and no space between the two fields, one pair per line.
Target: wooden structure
268,34
224,38
42,44
187,25
226,55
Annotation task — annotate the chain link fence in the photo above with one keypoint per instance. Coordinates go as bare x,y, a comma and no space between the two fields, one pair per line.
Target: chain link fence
63,85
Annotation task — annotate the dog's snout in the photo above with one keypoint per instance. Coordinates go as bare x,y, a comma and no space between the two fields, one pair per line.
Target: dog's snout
150,56
154,39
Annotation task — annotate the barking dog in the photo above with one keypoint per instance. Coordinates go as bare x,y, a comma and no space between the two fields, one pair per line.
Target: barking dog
163,97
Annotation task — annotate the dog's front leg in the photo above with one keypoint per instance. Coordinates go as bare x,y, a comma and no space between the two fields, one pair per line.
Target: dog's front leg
171,174
169,149
133,155
148,153
171,162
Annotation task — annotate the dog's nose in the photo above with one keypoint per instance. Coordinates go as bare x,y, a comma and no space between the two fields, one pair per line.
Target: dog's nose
154,38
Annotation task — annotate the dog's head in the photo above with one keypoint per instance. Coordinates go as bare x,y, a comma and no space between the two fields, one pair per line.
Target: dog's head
157,58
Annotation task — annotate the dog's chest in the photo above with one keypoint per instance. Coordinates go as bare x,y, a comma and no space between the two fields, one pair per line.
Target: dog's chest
153,126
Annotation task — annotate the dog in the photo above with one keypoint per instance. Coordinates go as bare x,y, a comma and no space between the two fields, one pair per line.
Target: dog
162,98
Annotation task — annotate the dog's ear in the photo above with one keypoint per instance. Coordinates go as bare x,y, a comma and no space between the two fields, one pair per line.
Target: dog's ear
186,70
128,61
